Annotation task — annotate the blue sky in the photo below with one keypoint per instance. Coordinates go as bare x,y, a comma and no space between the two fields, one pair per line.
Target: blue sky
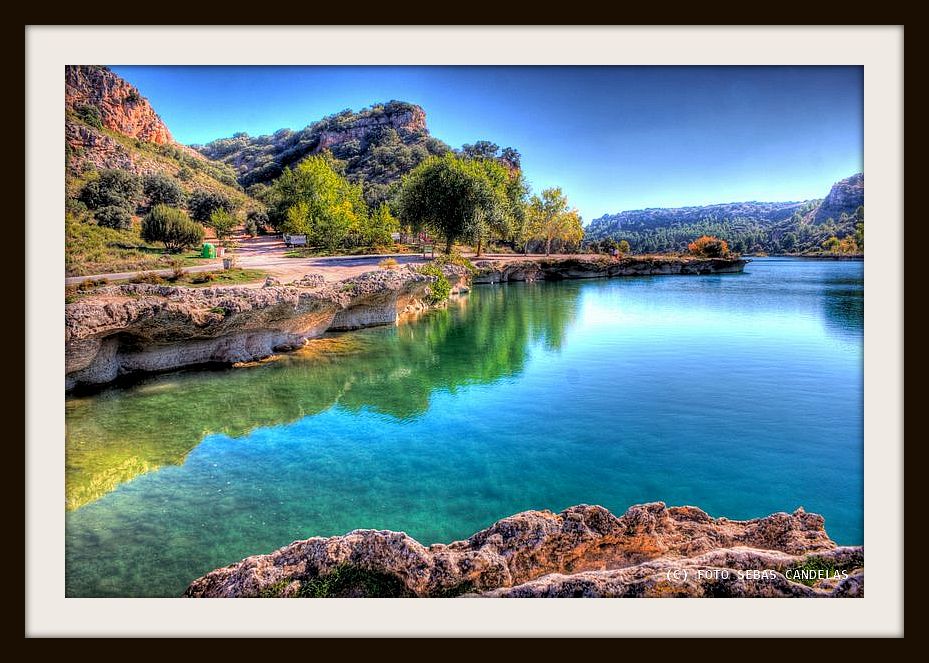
614,138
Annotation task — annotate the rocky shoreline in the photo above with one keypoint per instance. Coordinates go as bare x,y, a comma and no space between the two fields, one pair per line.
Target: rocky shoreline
136,328
585,551
556,269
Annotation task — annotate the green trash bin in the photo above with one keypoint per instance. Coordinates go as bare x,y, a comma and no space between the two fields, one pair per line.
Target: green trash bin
208,251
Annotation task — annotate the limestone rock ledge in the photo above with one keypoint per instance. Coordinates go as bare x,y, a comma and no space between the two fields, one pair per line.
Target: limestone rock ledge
584,551
140,327
553,269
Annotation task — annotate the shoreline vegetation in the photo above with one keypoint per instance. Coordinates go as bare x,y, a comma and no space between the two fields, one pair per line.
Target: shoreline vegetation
651,551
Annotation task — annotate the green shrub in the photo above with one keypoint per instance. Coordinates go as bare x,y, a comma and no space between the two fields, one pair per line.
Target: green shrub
172,227
111,188
162,190
113,217
222,223
90,115
440,289
202,204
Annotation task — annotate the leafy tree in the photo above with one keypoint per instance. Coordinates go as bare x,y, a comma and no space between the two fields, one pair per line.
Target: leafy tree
162,190
624,247
482,149
222,223
511,156
709,247
380,226
202,204
255,221
113,216
111,188
172,227
859,233
451,196
314,200
550,219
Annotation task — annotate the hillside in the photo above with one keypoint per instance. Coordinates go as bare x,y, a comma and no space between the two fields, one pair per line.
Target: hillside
376,145
772,227
109,125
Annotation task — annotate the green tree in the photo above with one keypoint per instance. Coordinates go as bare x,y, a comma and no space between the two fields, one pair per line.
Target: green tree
451,196
549,218
623,247
222,223
859,234
172,227
380,226
203,203
162,190
113,217
110,188
315,200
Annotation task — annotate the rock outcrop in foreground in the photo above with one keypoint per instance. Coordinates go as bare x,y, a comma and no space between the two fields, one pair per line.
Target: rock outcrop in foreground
554,269
585,551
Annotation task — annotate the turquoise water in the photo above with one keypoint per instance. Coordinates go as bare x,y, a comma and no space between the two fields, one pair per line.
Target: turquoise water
740,393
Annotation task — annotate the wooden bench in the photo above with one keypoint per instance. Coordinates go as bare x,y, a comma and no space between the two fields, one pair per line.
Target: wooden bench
294,240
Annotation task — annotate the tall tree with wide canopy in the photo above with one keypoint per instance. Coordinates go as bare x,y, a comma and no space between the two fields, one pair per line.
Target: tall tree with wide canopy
454,197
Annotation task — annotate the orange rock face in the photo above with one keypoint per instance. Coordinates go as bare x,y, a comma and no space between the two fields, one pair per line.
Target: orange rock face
122,108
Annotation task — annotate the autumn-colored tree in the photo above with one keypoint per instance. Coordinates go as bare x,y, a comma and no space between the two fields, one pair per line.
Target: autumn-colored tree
549,218
709,246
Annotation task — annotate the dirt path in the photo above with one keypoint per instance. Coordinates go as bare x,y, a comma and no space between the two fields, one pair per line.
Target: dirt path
268,253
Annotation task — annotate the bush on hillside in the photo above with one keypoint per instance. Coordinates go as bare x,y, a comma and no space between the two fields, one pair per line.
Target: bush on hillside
162,190
172,227
113,217
112,188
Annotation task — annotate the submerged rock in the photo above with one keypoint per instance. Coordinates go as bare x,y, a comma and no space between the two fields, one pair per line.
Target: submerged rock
651,550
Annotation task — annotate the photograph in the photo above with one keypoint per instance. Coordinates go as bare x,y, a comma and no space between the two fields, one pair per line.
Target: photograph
451,331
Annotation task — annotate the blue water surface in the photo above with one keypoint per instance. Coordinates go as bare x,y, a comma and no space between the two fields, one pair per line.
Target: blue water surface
741,394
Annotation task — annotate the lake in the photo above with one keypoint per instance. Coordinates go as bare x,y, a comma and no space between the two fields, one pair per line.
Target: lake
741,394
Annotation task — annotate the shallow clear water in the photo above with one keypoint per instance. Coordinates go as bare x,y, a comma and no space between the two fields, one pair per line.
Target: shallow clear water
741,394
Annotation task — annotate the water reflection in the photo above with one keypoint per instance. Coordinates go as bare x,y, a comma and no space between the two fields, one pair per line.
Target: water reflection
121,432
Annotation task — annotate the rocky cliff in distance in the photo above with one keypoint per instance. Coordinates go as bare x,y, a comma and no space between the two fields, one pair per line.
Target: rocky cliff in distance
585,551
120,105
844,197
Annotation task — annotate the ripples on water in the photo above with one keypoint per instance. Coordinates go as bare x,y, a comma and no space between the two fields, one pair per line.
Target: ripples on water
741,394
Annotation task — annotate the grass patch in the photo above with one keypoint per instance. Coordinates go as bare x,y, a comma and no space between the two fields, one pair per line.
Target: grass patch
93,249
348,581
460,589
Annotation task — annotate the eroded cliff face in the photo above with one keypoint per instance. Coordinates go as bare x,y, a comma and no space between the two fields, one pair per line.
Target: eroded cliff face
405,121
553,269
122,108
582,551
139,327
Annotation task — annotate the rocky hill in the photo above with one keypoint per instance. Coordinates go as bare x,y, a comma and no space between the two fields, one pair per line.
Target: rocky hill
377,145
585,551
844,197
776,227
109,124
